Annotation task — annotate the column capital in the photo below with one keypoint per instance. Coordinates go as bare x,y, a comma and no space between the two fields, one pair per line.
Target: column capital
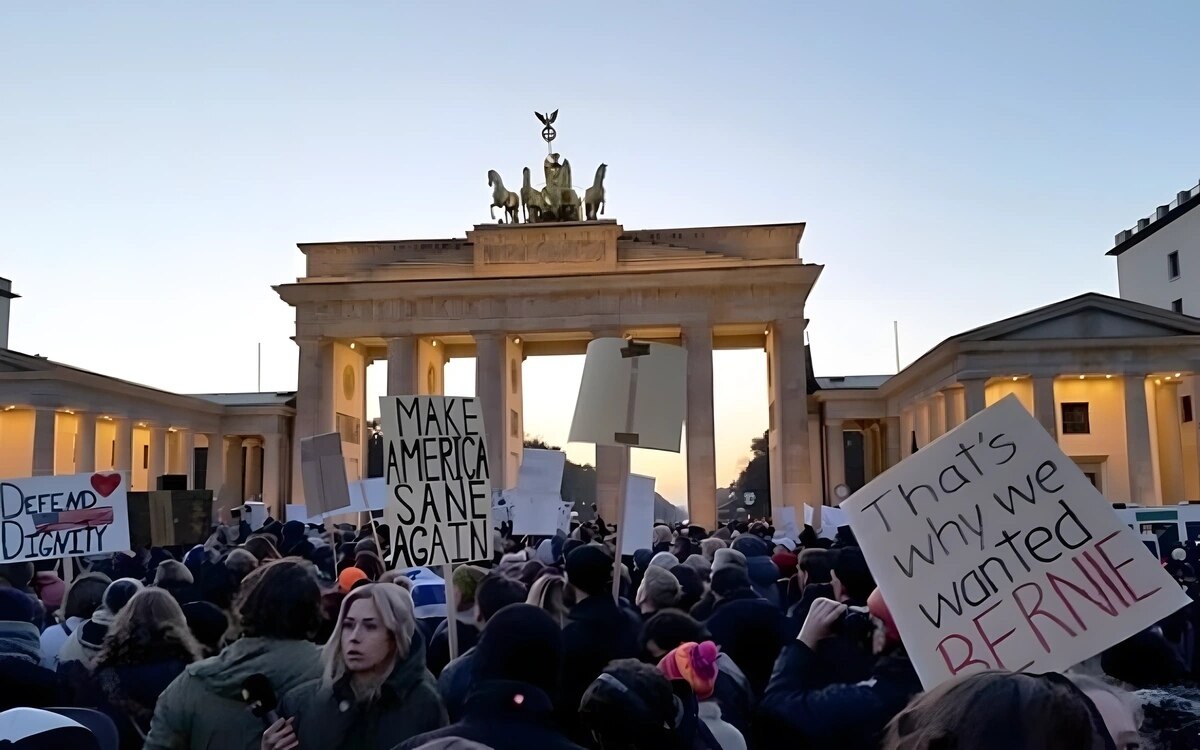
834,423
252,442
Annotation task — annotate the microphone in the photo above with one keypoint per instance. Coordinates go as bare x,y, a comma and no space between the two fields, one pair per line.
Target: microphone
260,697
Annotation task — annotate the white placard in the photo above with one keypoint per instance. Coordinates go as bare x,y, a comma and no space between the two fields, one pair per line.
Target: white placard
63,516
368,494
993,551
295,512
501,508
785,522
635,401
535,514
255,514
637,527
323,471
439,491
831,519
564,517
541,470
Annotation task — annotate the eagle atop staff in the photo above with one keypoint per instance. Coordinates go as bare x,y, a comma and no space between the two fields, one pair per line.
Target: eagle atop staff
547,120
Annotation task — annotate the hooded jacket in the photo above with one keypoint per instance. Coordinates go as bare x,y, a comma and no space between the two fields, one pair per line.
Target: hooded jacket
750,630
327,717
203,708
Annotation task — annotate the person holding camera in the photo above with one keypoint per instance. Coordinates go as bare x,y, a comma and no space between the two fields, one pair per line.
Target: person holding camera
806,706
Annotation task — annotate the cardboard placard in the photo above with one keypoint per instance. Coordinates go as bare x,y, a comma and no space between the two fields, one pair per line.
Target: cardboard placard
323,470
637,523
63,516
295,512
501,508
993,551
439,488
632,394
535,504
785,522
368,494
831,518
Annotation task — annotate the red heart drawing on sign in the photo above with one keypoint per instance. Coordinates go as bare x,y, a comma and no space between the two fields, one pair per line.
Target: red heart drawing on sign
105,484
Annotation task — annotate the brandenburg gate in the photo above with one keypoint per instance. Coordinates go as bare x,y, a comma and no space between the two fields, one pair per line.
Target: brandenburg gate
548,286
510,291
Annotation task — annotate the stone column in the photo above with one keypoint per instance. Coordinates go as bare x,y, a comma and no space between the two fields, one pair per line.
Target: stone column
892,435
235,476
791,469
85,442
402,376
431,366
271,468
870,451
1045,409
123,448
314,406
1137,442
498,388
835,464
214,470
158,456
254,467
975,390
187,441
937,416
1170,443
45,423
701,446
953,398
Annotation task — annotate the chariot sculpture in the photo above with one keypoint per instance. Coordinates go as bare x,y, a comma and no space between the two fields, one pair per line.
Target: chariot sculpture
557,200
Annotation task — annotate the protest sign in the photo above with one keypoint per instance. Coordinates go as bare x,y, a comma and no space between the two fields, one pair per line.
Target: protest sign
295,512
785,522
637,523
535,504
368,494
163,518
439,489
323,471
63,516
501,508
631,394
993,551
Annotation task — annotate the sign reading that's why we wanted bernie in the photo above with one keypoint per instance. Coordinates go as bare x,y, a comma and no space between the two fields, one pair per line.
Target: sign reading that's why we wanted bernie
993,551
439,503
63,516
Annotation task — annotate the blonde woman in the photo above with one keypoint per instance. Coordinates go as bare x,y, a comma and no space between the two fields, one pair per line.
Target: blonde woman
375,691
147,646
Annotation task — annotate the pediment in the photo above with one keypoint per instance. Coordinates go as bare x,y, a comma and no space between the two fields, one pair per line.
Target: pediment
1092,316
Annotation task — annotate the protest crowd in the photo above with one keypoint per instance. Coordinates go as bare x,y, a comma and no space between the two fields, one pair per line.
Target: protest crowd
297,636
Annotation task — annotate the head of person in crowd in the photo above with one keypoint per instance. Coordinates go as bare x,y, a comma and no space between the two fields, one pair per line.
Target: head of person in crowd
398,578
661,538
814,565
630,706
370,563
885,634
691,587
175,578
118,593
521,643
696,664
279,600
1118,708
466,582
350,578
660,589
663,560
495,592
786,562
589,571
725,558
373,633
17,607
709,547
16,575
682,548
262,548
667,630
851,578
84,596
728,580
999,711
208,624
149,628
700,565
550,593
530,572
239,563
49,588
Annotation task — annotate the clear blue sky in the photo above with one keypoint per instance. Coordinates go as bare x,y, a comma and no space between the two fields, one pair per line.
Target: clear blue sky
955,162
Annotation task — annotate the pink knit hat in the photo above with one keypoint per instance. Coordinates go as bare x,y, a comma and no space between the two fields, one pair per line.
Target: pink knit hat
694,662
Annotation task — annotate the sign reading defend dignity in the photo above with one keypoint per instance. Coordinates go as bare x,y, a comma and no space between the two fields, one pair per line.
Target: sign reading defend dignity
439,502
63,516
993,551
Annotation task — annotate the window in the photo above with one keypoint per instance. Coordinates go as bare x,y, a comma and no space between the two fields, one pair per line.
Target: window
145,457
1173,265
1185,408
1075,419
350,428
514,425
1177,306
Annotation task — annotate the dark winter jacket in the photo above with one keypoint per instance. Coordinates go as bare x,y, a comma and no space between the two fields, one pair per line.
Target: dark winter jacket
764,577
203,708
797,711
128,694
504,715
597,631
438,655
751,631
455,682
733,693
23,680
327,717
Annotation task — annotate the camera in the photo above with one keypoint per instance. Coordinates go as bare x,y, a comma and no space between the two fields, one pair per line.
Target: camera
857,625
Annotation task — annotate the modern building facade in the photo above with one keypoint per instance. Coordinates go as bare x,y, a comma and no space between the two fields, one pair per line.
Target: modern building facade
1158,258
